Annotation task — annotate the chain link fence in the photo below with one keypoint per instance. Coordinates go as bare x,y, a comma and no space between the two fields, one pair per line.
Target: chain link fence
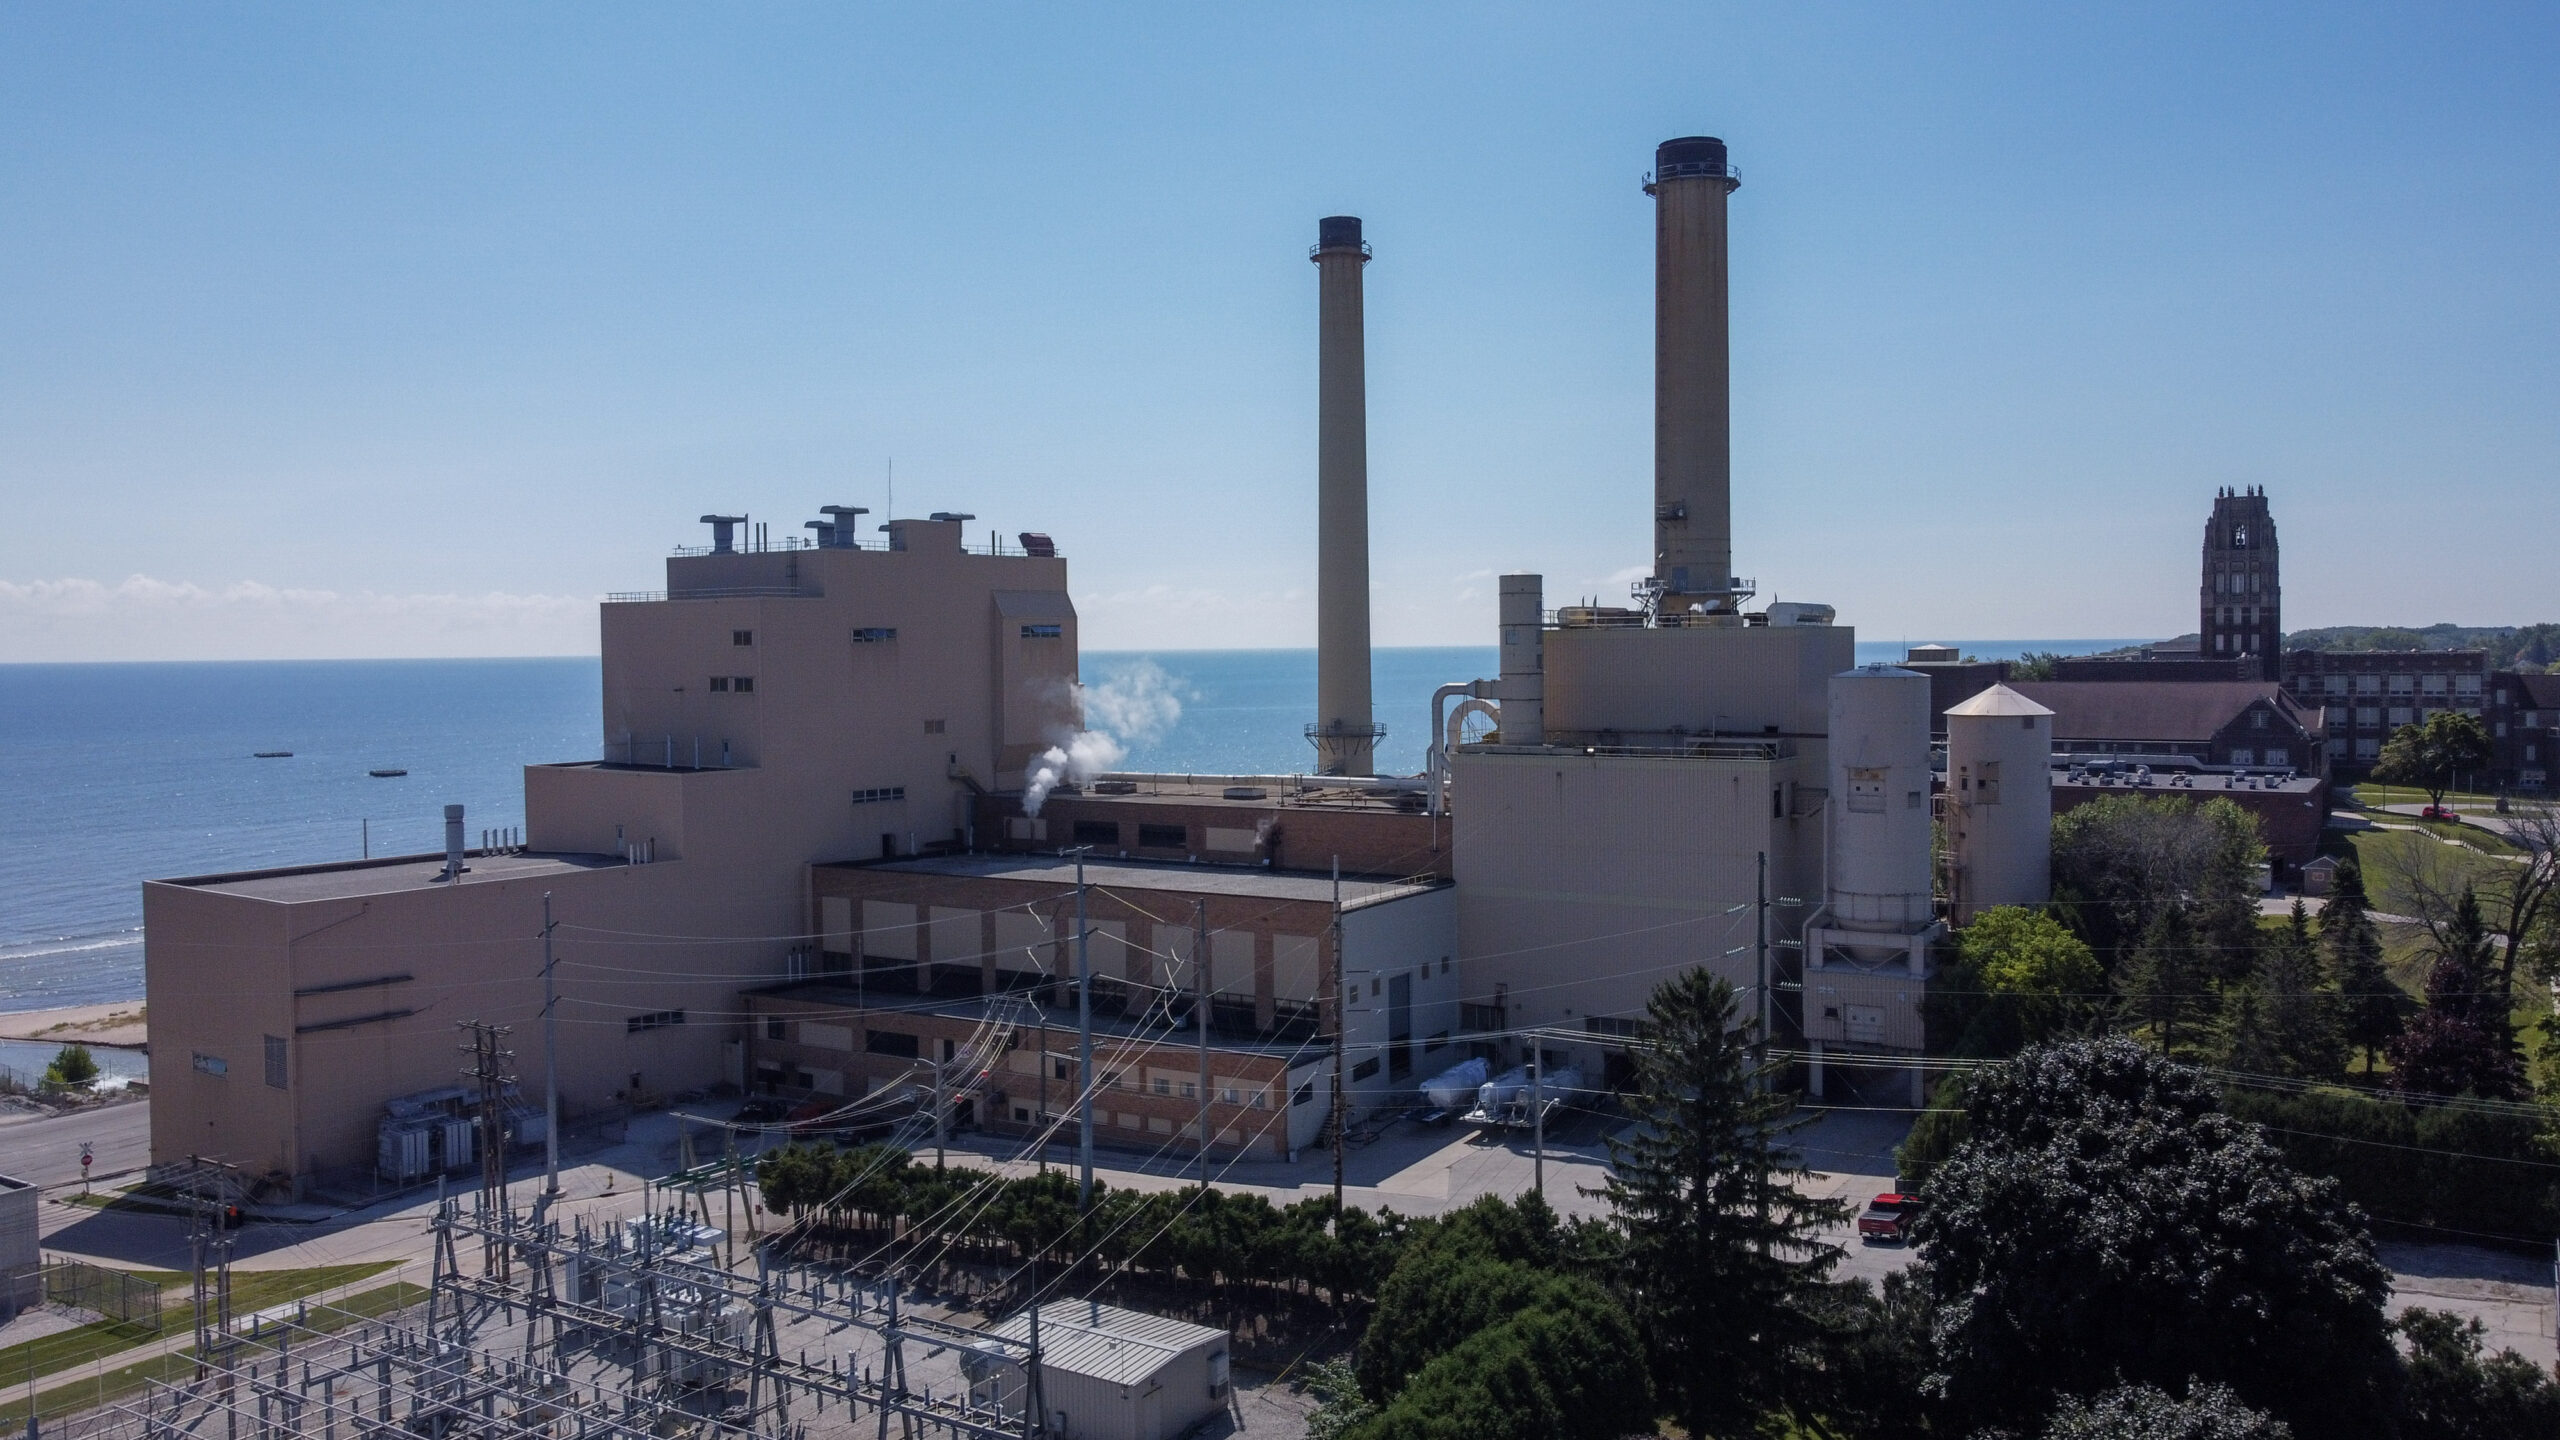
115,1294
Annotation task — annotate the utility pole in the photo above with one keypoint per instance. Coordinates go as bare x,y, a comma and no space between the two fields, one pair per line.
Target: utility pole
1200,1020
550,1063
1084,1050
938,1114
1761,943
1538,1115
1341,1022
489,1072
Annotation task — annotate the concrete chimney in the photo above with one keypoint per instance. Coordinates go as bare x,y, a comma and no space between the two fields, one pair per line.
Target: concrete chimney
1345,734
1692,380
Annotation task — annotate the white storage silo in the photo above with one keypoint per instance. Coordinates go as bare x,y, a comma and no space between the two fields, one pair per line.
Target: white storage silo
1879,807
1999,803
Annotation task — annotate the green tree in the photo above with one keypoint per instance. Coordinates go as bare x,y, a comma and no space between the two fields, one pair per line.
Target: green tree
2146,1412
2164,984
1723,1251
2105,1224
2434,753
2454,1393
2463,1042
2120,860
2038,980
2371,1006
1557,1372
1340,1407
2303,1036
72,1066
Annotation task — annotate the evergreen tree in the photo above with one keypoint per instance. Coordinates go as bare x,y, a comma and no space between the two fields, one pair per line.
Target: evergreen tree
2303,1028
1723,1262
2371,1007
2464,1040
2244,1038
2164,984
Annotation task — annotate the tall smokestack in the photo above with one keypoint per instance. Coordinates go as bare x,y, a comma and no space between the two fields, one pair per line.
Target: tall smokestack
1692,379
1345,735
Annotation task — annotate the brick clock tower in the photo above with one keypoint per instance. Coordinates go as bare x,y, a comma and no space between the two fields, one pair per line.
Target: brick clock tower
2242,606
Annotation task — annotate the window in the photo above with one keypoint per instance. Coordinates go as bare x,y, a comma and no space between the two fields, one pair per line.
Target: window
1304,1094
2367,748
743,684
1098,832
2257,719
276,1050
2368,715
719,684
775,1027
2243,755
2279,755
742,637
1364,1069
212,1064
889,1042
654,1020
1043,632
933,727
1164,1086
1163,837
1615,1026
2402,715
882,793
874,635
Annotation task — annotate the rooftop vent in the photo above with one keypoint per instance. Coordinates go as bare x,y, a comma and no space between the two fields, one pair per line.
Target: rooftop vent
724,529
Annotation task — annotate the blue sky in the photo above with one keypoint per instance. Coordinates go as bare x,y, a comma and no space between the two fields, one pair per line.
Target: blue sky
341,330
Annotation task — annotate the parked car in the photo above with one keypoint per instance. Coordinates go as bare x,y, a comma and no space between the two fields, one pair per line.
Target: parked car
1888,1217
2438,812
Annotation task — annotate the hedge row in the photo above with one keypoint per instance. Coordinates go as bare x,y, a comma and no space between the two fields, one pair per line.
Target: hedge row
2416,1164
1214,1238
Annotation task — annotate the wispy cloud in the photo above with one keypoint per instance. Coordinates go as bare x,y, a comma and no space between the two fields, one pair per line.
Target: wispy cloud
146,618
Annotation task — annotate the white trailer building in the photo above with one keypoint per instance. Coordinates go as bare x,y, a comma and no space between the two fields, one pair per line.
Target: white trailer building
1106,1373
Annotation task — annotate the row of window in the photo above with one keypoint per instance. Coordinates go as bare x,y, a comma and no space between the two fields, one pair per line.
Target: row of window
879,794
874,635
2368,716
654,1020
1043,632
733,684
2272,755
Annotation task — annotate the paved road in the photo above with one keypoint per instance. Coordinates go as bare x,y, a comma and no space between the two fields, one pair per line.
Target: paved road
46,1151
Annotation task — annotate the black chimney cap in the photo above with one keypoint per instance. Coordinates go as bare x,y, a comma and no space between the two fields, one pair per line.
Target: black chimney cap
1689,150
1338,232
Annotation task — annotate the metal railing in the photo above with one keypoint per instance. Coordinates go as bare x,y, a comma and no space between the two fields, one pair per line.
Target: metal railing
802,591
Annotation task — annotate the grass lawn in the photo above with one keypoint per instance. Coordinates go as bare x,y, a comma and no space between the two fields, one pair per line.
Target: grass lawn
251,1291
2366,794
74,1396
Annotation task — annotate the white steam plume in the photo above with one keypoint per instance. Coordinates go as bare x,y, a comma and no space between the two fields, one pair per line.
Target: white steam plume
1139,703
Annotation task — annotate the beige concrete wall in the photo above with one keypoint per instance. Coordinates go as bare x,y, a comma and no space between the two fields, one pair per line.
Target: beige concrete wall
225,964
216,972
1586,881
1729,681
1411,938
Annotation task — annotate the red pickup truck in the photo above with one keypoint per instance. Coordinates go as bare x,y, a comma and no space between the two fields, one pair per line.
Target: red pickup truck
1888,1217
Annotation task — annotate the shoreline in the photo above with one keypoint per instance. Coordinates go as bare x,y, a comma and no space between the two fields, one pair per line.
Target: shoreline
120,1025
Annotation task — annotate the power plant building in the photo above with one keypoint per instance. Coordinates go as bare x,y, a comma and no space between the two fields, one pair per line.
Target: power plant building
830,850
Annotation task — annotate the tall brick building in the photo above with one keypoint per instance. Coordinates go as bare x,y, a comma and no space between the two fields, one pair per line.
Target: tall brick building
2240,605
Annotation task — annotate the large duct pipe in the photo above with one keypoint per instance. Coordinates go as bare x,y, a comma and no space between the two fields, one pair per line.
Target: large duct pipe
1345,732
453,849
1692,379
1523,687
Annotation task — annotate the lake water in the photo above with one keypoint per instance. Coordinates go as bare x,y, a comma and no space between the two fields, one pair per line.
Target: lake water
117,773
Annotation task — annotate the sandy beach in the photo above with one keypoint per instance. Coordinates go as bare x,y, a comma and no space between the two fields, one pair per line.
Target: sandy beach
118,1024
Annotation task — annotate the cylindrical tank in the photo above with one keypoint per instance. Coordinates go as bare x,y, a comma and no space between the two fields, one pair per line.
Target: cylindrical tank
1999,803
1523,686
1345,734
1879,805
